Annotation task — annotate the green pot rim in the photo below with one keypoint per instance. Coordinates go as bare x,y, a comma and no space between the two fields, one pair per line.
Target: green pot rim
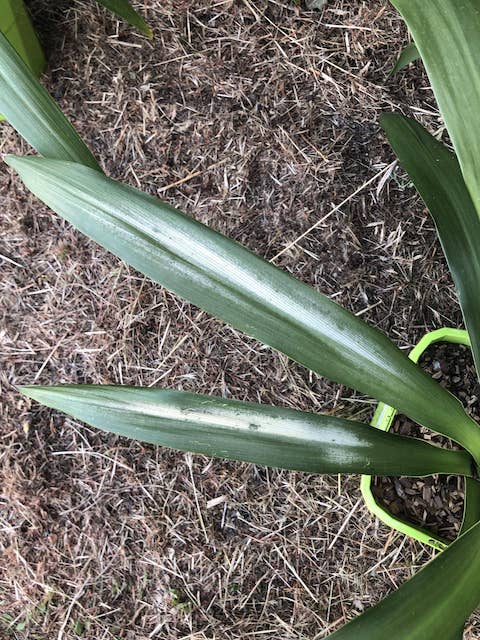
383,419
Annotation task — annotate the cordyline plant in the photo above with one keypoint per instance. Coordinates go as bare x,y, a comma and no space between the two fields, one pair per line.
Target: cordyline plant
231,283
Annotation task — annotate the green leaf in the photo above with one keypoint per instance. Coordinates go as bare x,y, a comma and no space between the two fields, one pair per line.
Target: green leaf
447,35
471,510
34,114
251,432
16,26
433,605
409,54
228,281
436,174
125,10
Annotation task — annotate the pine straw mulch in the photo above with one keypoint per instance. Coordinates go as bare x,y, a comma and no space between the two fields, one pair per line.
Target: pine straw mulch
259,118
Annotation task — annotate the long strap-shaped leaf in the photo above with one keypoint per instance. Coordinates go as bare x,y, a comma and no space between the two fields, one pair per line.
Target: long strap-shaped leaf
446,33
436,174
30,109
233,284
124,9
433,605
251,432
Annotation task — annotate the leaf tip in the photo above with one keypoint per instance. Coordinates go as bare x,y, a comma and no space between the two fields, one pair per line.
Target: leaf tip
387,119
28,390
384,119
17,162
10,160
35,392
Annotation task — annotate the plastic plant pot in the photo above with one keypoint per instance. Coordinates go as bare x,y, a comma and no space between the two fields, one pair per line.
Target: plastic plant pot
383,419
16,26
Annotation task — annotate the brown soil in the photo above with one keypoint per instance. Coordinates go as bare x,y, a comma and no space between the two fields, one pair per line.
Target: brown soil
259,118
434,503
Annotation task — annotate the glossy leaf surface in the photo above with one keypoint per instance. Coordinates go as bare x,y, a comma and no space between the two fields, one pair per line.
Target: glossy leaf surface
30,109
233,284
251,432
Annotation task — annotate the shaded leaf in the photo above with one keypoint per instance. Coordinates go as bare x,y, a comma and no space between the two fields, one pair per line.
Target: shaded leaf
409,54
436,174
447,35
471,511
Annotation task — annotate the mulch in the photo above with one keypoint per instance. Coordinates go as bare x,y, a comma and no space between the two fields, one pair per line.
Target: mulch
258,118
434,503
